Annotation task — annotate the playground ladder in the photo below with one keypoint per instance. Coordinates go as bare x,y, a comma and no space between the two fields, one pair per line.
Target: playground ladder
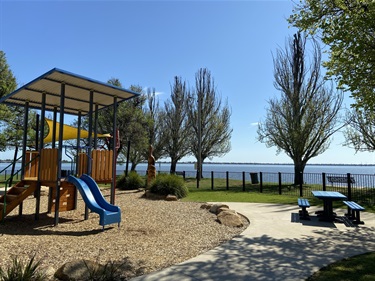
15,196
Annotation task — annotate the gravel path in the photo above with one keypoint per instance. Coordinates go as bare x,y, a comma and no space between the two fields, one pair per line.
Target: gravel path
154,234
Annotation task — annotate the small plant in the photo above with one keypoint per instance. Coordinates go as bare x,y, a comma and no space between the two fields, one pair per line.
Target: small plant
165,184
130,182
22,271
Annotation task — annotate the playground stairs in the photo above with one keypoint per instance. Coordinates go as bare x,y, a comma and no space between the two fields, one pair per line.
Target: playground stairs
15,196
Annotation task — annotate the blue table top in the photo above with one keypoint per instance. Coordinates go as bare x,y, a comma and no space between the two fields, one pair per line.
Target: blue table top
334,195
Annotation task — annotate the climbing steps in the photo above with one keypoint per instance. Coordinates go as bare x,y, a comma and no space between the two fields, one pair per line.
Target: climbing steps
15,195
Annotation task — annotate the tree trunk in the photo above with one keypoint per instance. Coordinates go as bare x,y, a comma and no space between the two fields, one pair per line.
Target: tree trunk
133,166
173,166
299,167
127,158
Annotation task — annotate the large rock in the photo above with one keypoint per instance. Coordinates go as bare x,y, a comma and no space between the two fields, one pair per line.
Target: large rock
170,197
215,207
77,270
230,218
219,210
206,206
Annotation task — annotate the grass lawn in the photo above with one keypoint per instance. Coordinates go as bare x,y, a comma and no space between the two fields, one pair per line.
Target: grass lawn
358,268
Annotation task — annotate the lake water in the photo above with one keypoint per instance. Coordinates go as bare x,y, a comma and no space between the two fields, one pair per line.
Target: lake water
238,168
364,174
266,168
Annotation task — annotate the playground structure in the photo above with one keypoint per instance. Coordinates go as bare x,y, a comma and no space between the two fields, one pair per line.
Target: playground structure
63,93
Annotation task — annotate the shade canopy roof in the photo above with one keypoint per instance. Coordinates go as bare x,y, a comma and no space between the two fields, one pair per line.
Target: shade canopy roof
77,93
69,132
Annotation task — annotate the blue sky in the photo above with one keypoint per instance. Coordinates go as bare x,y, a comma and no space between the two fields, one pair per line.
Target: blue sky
147,43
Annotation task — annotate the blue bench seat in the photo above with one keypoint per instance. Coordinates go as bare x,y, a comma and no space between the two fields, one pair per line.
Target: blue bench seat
354,210
303,204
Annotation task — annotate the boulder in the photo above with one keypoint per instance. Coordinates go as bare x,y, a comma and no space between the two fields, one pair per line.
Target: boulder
77,270
215,207
206,206
219,210
171,197
230,218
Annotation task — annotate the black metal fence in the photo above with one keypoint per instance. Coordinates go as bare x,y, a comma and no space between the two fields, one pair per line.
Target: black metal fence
357,187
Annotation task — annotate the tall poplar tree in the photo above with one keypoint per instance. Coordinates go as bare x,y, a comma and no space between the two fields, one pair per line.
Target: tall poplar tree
211,116
302,121
176,131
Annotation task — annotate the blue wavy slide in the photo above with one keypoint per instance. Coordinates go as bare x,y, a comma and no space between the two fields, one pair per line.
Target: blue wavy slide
95,201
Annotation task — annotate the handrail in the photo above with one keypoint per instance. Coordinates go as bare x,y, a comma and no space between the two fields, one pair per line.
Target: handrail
11,179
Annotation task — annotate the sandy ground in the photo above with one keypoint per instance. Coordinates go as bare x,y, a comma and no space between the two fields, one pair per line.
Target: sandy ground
154,234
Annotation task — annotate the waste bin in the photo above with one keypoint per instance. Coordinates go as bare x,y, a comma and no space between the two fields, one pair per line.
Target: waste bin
254,178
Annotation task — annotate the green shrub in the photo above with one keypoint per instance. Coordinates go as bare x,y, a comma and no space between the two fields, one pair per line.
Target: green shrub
22,271
132,181
165,184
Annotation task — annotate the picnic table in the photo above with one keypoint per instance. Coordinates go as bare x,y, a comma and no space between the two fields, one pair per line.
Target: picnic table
328,197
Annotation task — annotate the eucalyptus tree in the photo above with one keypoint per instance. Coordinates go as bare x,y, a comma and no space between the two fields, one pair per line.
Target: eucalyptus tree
11,117
8,84
348,29
176,132
131,123
209,118
302,121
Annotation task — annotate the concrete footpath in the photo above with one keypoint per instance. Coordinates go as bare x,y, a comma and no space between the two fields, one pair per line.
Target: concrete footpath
276,246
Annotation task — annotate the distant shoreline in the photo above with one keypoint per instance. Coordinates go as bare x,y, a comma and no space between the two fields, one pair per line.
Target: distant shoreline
255,163
7,161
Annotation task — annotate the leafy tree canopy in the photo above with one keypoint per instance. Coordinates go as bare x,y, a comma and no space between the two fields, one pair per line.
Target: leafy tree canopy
10,132
348,28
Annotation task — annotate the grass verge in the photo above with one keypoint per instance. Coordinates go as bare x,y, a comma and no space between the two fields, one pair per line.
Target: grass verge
359,268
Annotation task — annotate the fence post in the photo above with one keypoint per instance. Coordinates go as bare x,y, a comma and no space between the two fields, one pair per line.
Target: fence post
212,180
243,181
261,182
279,183
301,184
349,187
324,181
227,174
